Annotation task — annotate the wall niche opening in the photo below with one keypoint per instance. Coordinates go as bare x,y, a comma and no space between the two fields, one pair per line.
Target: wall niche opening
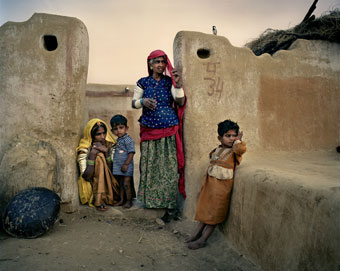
203,53
50,42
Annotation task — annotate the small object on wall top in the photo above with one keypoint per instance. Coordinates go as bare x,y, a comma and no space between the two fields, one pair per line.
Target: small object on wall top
214,30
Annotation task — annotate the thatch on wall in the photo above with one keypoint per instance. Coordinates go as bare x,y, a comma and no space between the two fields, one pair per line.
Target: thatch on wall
326,27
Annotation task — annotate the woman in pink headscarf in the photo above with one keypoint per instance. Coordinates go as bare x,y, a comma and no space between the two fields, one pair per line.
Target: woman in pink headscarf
162,99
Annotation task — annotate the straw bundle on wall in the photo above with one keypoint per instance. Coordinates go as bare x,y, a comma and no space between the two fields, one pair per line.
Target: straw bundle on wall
326,27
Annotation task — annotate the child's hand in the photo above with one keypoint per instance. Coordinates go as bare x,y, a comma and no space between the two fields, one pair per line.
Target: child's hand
239,136
124,168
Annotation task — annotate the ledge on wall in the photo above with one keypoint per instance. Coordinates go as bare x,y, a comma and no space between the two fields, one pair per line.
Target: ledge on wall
285,210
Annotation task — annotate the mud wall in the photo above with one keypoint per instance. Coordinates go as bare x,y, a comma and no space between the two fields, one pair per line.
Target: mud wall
285,210
43,71
288,103
105,101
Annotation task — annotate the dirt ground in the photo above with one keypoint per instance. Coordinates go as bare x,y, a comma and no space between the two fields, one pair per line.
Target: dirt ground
120,239
117,239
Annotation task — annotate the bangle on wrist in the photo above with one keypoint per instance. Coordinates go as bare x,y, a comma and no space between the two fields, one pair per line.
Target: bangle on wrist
138,103
90,162
177,92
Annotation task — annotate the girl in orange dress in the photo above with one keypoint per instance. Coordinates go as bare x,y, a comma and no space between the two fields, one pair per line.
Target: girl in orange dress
213,202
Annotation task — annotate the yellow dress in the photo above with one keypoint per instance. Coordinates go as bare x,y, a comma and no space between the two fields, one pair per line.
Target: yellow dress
104,187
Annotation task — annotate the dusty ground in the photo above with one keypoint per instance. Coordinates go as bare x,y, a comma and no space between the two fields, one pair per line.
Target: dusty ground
117,240
132,240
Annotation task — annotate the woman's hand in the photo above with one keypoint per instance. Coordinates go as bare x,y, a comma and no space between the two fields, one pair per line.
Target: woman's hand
93,154
99,147
150,103
177,79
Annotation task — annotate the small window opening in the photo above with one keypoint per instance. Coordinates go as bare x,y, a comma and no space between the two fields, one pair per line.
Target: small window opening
203,53
50,42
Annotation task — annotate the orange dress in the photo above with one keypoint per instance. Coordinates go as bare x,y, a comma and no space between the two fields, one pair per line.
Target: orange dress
213,202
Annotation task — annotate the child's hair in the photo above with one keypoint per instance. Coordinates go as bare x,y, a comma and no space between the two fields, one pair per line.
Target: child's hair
227,125
96,127
118,119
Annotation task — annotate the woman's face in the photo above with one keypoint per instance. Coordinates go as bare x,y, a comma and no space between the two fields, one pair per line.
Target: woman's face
158,65
100,135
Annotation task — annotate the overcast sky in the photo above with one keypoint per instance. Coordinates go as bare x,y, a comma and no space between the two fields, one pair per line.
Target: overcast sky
123,32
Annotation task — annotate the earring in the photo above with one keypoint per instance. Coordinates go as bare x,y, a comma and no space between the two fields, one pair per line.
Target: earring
150,68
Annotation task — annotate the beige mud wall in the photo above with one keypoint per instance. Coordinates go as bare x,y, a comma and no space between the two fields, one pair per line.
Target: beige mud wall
285,210
43,71
105,101
285,203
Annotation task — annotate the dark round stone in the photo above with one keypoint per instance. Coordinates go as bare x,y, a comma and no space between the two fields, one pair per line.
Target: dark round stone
31,212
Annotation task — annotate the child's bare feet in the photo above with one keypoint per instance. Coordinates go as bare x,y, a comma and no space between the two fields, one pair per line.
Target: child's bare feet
127,204
120,203
197,244
192,238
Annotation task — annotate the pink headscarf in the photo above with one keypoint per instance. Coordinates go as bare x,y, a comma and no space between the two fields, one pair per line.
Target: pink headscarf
168,68
180,112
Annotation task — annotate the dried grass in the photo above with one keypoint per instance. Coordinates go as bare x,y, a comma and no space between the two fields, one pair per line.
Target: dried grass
326,27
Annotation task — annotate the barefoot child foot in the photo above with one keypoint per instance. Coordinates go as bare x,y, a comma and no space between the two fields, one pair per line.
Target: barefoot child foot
127,204
191,238
204,231
120,203
127,189
197,244
197,234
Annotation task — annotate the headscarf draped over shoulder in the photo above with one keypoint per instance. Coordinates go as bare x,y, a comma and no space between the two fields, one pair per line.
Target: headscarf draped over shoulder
180,112
84,187
86,141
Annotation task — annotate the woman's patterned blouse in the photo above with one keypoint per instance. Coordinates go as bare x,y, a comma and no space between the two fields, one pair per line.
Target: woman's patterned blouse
164,115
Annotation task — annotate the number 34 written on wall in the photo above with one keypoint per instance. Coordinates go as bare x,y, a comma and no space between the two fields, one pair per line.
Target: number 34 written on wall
216,84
